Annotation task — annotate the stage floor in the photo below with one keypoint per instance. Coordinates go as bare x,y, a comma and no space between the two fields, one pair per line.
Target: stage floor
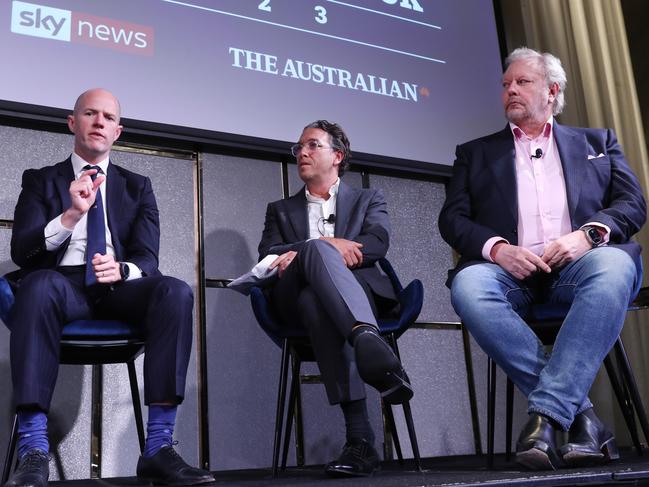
462,471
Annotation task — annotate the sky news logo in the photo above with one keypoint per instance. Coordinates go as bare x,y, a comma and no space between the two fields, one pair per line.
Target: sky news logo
67,26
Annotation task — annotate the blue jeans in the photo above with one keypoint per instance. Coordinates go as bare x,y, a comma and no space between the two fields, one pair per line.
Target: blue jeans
595,289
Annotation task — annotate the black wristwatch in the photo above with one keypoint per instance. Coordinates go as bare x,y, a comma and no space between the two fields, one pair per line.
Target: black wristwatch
124,270
593,236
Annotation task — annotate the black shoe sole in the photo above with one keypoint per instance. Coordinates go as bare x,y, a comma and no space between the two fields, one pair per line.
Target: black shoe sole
156,481
573,456
335,473
538,458
379,367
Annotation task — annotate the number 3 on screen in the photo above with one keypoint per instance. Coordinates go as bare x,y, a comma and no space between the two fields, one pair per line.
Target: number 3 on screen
321,14
265,5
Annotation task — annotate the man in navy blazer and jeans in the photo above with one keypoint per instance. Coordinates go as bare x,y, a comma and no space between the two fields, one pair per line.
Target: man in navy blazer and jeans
86,237
544,213
328,238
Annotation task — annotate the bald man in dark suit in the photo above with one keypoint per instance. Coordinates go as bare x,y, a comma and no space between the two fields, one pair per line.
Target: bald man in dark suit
86,237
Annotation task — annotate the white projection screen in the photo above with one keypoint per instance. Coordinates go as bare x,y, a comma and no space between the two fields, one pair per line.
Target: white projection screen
407,79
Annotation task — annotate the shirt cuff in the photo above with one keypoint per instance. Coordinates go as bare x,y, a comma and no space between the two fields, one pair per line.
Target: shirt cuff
489,244
600,226
134,271
55,234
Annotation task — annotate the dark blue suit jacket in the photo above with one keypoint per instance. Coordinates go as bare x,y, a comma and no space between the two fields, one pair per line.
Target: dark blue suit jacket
131,209
481,197
361,216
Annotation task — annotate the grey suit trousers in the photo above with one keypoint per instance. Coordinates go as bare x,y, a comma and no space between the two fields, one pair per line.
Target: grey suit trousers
318,292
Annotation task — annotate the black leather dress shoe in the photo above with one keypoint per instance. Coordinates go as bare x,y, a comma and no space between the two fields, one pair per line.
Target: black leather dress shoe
167,468
589,442
33,470
536,447
379,367
358,459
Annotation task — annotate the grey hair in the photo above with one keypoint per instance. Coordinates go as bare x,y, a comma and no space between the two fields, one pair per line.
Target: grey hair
552,69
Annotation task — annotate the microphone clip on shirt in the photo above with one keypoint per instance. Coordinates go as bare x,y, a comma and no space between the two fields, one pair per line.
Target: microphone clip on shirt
331,219
537,154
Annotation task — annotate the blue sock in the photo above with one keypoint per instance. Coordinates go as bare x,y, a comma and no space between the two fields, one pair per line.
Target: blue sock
32,432
159,428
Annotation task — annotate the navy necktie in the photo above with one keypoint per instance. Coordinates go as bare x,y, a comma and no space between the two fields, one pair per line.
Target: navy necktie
96,230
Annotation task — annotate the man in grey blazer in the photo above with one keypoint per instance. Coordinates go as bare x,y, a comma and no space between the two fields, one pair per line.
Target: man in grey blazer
543,214
328,238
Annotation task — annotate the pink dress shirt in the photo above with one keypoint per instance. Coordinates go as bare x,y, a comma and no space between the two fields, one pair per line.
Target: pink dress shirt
543,214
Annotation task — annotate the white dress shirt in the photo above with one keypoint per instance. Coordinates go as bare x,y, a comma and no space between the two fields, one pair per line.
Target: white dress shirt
319,210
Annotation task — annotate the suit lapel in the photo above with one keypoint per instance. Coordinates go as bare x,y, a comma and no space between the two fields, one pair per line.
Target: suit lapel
344,203
65,175
298,215
62,182
573,149
501,158
115,188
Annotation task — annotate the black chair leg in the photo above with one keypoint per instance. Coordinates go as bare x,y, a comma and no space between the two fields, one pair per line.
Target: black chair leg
9,456
299,424
407,413
292,405
623,401
389,416
473,402
137,405
509,420
491,410
630,381
281,401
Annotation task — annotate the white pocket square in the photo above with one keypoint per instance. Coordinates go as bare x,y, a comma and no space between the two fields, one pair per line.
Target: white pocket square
595,157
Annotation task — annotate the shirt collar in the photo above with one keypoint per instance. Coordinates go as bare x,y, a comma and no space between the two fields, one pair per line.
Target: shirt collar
547,130
78,164
333,191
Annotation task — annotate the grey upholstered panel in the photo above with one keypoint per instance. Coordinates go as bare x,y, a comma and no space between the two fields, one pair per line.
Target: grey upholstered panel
242,362
21,149
416,248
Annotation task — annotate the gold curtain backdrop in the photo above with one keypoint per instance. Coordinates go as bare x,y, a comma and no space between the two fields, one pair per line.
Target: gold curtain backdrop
589,36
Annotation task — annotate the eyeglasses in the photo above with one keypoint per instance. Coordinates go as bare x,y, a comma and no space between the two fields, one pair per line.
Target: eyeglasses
311,146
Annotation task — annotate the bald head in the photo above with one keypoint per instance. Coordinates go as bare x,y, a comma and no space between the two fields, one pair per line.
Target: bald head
96,91
95,124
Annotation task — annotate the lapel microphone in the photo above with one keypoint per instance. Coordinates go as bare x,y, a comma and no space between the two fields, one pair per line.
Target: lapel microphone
538,154
331,220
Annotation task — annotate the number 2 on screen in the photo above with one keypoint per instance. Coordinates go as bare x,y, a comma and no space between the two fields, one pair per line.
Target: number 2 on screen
265,5
321,14
320,17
